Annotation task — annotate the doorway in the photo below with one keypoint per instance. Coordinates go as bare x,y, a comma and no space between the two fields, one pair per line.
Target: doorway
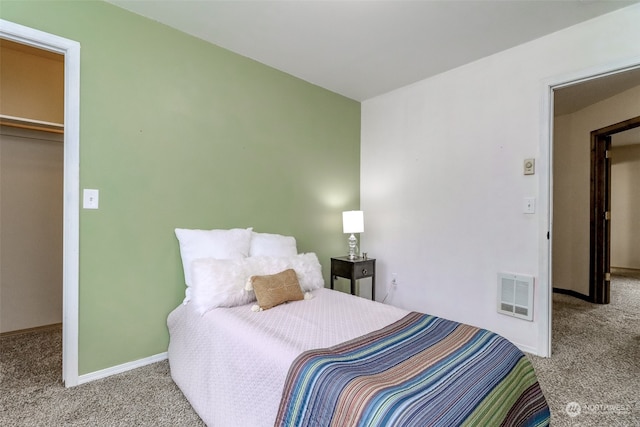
579,108
563,96
600,208
31,193
71,182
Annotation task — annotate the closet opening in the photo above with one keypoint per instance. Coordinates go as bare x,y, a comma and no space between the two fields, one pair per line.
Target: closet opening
31,189
69,50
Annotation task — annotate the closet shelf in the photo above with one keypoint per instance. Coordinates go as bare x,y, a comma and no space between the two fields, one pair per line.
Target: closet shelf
21,122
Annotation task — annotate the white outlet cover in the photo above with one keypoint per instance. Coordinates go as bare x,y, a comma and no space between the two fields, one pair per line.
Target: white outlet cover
529,205
90,198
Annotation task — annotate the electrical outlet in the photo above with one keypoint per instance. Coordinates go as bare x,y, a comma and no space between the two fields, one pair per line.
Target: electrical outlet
90,198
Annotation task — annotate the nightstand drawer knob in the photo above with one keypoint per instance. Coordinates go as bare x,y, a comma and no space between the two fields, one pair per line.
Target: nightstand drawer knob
364,271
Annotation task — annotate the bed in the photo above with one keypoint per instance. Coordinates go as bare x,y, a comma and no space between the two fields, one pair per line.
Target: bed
331,358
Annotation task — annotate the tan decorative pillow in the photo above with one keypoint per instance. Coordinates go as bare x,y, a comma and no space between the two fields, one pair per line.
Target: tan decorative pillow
276,289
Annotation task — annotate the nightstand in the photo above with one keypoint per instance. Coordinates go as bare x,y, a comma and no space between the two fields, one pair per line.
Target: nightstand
354,269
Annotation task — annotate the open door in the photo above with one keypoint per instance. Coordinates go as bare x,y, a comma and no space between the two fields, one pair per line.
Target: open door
600,276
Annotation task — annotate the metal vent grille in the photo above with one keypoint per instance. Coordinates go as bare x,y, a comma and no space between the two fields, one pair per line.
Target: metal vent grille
515,295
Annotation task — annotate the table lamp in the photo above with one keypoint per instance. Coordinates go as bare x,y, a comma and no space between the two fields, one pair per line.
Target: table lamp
352,222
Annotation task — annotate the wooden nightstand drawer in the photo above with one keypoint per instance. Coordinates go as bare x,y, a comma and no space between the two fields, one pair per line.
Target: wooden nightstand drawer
364,269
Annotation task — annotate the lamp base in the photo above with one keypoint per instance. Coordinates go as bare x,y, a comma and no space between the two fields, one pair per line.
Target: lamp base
353,249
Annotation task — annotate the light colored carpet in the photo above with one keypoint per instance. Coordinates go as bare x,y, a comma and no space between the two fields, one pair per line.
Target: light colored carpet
595,363
32,394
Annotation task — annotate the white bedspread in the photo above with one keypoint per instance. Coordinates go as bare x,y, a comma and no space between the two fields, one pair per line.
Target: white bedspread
231,363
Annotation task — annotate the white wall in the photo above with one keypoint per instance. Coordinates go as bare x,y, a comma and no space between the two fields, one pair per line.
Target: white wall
625,206
442,185
572,187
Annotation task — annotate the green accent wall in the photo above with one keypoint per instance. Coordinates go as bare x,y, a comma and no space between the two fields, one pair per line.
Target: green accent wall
177,132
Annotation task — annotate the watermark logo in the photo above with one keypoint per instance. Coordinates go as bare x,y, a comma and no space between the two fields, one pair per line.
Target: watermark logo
573,409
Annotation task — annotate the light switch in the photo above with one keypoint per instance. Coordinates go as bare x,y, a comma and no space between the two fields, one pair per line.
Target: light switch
90,198
529,205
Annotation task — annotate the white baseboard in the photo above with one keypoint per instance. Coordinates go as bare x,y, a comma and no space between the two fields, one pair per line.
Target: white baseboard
118,369
527,349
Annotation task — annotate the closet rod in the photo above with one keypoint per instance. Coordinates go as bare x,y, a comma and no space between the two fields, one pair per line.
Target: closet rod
23,123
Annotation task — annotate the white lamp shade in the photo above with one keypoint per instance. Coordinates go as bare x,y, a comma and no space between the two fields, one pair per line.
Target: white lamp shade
352,222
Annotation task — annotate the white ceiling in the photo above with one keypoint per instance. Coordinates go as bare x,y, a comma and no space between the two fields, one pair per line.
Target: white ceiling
361,48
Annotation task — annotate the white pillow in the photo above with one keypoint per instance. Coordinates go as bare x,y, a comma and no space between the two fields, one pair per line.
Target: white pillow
266,265
274,245
219,283
219,244
309,271
225,282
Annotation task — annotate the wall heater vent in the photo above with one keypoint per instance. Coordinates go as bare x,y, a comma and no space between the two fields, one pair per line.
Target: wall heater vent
515,295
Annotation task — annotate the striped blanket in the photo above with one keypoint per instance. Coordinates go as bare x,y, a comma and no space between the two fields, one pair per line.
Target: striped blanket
419,371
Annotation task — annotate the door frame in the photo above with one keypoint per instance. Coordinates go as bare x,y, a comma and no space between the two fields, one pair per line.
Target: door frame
546,184
600,239
71,204
599,220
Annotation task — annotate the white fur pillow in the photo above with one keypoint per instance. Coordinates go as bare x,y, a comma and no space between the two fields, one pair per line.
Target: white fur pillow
219,244
226,282
309,271
219,283
274,245
306,266
266,265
